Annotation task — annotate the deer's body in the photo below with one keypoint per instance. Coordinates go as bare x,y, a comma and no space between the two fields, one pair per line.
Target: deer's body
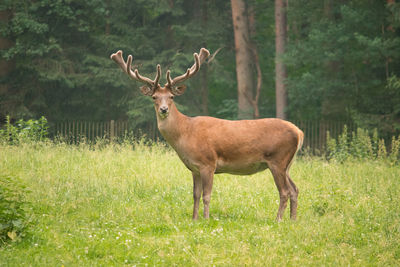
208,145
240,147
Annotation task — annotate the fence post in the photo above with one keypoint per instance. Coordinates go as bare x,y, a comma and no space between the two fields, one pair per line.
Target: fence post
112,128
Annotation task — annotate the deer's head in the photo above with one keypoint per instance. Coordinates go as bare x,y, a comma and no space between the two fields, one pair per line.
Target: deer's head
162,96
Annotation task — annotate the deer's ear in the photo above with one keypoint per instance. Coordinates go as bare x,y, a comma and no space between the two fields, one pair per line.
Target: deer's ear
178,90
146,90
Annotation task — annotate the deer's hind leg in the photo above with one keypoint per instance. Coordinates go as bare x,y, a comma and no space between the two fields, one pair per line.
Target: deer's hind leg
286,187
294,192
283,185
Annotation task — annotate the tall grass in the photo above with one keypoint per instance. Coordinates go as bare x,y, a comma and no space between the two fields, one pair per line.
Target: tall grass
115,205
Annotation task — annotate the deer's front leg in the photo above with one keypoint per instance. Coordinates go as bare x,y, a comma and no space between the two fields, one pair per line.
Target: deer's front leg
197,189
207,177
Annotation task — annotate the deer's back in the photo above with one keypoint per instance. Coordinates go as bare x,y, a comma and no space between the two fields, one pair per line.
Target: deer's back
261,133
239,147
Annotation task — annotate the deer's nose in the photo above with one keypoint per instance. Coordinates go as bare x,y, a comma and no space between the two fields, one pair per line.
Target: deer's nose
163,110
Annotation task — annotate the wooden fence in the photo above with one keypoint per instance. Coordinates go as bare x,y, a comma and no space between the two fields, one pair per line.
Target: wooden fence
315,133
76,131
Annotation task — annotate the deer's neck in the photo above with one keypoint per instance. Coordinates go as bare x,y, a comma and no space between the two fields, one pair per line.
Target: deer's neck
172,127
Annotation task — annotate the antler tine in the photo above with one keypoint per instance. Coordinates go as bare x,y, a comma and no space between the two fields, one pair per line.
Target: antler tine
204,53
195,68
169,81
129,64
190,72
127,68
138,77
117,57
143,79
199,59
158,76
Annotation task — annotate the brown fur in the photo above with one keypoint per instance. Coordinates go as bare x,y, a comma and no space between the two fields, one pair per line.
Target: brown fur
208,145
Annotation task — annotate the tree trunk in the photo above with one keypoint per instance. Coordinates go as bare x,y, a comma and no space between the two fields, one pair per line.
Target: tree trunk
252,28
243,59
280,69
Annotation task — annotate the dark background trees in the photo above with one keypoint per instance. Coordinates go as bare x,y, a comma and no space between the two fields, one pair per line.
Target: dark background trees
341,59
280,66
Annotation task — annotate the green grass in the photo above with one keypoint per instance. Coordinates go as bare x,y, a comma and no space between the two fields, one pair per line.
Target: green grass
117,205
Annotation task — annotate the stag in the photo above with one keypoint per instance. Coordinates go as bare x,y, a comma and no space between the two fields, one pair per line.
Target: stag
208,145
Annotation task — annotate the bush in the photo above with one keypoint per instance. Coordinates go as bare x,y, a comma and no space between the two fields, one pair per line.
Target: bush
395,149
24,131
362,145
13,219
338,150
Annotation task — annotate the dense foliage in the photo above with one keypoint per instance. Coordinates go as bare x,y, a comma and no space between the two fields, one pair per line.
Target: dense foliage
344,61
24,131
342,58
360,145
13,206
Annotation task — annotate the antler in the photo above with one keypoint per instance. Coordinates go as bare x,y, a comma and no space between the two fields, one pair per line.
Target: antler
126,67
198,60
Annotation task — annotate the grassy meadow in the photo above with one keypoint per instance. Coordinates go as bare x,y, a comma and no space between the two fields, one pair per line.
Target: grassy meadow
131,205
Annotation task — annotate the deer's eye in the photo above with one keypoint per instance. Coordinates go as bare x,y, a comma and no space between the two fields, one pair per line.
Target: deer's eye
172,97
154,98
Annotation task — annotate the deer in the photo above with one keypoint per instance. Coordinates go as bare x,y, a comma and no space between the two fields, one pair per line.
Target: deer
208,145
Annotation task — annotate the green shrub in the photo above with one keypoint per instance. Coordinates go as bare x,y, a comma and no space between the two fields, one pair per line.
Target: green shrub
382,153
361,145
395,149
338,150
13,219
24,131
375,142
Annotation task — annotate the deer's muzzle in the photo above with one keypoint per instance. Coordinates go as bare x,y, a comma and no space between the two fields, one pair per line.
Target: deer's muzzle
163,112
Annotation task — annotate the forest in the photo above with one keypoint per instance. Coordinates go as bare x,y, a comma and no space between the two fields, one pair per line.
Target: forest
303,60
111,201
